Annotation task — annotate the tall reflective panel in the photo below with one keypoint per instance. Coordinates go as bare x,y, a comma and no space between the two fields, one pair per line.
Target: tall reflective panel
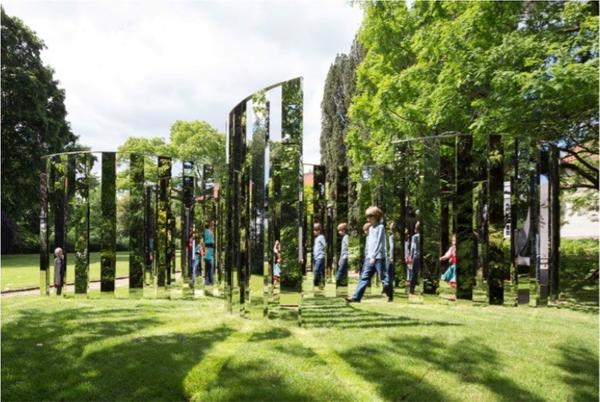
162,224
108,226
188,236
44,247
80,218
497,244
136,225
290,155
341,216
465,246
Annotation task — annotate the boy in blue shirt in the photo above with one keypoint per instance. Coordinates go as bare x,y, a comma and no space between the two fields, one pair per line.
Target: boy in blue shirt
376,256
319,250
341,277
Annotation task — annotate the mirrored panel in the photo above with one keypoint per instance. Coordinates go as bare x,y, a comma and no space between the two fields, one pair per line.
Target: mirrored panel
80,219
108,240
162,226
136,224
44,246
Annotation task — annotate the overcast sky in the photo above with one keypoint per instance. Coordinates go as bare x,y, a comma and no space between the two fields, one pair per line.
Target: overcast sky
133,68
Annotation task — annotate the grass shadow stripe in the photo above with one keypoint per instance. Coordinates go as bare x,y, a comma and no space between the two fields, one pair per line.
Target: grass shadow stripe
207,371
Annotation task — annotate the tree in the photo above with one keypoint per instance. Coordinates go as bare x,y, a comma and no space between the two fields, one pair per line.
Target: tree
33,123
194,141
339,88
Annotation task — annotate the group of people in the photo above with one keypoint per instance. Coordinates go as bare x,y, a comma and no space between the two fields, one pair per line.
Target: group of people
202,248
379,256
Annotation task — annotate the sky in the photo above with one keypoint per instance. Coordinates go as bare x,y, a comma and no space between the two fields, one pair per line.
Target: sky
133,68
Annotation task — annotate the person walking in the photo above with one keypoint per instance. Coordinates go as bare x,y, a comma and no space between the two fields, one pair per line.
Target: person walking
59,270
341,277
415,257
277,266
375,256
450,256
390,274
319,250
209,246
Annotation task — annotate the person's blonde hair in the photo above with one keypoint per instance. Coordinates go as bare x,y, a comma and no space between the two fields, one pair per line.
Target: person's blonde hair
375,212
342,226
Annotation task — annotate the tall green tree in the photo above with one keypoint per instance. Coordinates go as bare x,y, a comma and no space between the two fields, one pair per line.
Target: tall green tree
338,91
519,69
33,124
195,141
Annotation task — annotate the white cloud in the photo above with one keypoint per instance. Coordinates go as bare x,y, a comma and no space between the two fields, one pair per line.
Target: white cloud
133,68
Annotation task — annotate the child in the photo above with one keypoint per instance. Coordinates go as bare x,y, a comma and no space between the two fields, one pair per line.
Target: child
319,250
59,270
390,261
450,274
277,266
366,228
197,256
209,246
415,257
407,259
341,277
375,256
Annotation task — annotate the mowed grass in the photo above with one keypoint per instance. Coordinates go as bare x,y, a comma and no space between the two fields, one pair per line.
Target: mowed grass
118,349
23,270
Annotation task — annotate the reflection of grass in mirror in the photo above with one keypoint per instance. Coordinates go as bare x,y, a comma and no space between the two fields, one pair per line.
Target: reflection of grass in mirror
113,349
22,270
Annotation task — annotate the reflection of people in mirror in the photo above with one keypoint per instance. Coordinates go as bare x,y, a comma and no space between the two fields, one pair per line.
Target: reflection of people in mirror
375,257
319,250
366,228
209,246
415,257
196,258
59,269
450,256
277,266
390,260
342,270
407,259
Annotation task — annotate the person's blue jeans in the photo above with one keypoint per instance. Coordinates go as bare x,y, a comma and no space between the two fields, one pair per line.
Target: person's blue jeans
319,272
195,269
208,279
341,276
415,274
366,275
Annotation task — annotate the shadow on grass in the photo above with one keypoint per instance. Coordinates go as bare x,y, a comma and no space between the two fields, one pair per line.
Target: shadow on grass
580,366
335,312
62,356
469,360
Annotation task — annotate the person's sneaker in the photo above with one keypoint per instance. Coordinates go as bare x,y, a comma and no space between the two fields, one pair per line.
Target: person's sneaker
390,300
352,300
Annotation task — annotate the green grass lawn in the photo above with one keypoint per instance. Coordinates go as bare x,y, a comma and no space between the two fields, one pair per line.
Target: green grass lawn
23,270
119,349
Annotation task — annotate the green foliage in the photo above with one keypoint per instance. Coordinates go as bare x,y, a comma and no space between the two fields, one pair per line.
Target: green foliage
108,220
337,94
517,69
79,217
33,123
136,221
